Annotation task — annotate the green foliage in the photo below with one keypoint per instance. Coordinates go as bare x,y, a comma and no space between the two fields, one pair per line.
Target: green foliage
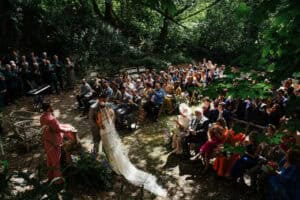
4,176
252,86
280,41
234,149
243,10
261,138
91,173
87,172
274,140
293,125
260,34
238,128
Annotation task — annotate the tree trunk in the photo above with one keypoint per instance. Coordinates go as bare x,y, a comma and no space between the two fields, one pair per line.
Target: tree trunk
109,11
163,36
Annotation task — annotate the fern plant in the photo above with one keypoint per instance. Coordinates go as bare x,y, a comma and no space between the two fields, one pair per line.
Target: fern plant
4,178
88,171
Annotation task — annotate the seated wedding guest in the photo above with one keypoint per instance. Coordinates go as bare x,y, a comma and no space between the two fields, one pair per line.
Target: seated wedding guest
288,140
197,132
85,92
182,123
215,134
206,107
136,99
249,159
139,86
125,96
177,88
285,184
147,91
269,150
117,95
220,112
224,161
214,113
274,115
281,99
108,90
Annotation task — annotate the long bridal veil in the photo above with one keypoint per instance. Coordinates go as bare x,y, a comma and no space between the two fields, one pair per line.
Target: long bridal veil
120,162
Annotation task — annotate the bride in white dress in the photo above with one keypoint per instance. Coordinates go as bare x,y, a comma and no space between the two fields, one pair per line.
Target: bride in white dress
118,159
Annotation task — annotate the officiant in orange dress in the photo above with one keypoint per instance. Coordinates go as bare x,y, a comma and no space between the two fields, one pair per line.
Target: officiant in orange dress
53,134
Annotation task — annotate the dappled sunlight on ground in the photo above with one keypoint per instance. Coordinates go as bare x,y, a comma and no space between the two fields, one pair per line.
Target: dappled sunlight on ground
146,149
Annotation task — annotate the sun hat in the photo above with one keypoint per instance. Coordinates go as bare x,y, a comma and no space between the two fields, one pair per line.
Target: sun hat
185,110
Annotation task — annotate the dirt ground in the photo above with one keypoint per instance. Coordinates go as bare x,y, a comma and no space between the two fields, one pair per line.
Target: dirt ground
146,148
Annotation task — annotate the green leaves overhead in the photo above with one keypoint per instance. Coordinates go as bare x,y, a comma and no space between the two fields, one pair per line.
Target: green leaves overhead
165,6
243,10
169,6
253,86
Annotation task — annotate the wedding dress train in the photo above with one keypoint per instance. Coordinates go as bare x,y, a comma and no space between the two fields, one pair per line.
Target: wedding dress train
118,159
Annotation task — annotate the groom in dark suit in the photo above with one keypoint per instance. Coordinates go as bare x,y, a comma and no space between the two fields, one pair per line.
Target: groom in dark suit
197,131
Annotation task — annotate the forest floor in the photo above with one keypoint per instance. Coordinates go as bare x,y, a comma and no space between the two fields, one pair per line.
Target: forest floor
146,149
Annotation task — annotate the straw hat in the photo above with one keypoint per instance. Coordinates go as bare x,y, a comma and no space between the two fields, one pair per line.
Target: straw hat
185,110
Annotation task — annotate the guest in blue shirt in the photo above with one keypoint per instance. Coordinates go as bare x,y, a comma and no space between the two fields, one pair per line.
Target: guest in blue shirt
155,101
157,98
286,183
159,95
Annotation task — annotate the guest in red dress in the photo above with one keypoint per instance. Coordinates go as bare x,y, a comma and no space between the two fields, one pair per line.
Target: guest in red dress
215,135
224,163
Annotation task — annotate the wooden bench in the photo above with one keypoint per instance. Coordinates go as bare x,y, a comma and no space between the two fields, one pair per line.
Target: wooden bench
134,71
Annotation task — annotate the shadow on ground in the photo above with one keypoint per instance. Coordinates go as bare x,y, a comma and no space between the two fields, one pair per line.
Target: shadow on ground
146,149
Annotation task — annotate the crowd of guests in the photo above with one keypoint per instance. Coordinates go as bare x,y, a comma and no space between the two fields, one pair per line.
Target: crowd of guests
153,88
208,132
20,73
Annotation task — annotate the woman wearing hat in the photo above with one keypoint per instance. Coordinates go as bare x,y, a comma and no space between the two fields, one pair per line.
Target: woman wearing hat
182,123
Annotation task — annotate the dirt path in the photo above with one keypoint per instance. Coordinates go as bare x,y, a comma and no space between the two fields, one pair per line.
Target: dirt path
146,149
